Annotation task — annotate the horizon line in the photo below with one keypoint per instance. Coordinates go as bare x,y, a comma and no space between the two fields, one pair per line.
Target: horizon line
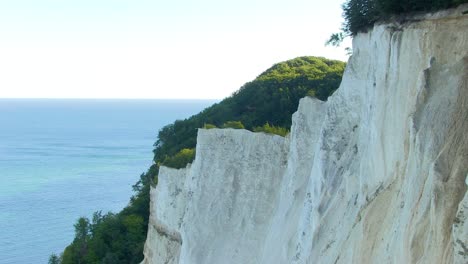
105,98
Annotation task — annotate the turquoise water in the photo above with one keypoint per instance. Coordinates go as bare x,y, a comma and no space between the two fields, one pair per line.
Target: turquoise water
62,159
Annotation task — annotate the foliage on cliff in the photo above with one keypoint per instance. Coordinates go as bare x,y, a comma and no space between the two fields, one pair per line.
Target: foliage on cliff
362,14
234,124
181,159
267,128
270,99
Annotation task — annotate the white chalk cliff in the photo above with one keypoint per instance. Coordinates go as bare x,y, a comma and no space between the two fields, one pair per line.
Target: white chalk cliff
377,174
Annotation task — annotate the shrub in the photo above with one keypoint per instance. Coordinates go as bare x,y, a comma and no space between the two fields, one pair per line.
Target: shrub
181,159
209,126
267,128
234,124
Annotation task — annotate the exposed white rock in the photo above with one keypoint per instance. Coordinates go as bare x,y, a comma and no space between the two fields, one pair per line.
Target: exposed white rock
233,187
374,175
305,134
167,208
460,231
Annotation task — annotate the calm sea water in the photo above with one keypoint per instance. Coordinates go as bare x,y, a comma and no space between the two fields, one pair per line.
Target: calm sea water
62,159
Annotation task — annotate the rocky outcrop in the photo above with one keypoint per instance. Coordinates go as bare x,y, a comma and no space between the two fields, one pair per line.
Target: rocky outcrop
377,174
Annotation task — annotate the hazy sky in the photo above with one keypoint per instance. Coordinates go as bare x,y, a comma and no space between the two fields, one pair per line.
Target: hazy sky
154,48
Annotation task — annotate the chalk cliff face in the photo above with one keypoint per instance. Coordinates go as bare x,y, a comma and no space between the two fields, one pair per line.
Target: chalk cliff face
377,174
229,196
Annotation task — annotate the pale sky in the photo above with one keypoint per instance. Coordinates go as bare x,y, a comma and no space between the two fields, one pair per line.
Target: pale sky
153,48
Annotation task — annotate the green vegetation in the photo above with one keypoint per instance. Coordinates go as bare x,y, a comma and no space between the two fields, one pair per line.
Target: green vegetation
209,126
265,104
108,238
360,15
267,128
234,124
181,159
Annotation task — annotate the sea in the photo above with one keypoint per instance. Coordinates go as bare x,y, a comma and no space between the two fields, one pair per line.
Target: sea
61,159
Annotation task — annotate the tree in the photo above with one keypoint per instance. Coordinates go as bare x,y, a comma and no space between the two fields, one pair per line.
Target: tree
81,238
54,259
335,39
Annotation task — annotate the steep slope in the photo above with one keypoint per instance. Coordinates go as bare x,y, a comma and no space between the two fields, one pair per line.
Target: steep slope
241,172
377,174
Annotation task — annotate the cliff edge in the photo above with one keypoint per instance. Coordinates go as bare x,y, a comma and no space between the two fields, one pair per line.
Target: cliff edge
377,174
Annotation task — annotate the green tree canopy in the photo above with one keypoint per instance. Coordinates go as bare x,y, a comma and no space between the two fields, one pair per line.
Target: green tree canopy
360,15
